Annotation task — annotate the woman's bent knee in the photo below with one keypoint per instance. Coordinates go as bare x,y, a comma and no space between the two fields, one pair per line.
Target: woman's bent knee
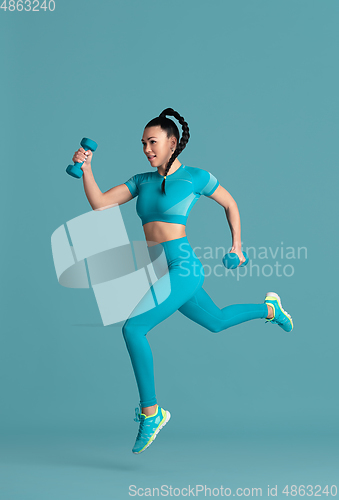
132,332
128,332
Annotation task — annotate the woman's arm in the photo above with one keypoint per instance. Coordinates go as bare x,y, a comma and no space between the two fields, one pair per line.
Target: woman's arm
233,218
117,195
224,199
93,193
98,200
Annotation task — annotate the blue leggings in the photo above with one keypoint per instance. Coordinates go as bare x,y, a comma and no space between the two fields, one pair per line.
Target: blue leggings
186,276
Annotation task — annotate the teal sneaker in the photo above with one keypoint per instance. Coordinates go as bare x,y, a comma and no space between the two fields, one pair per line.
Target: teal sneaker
149,427
281,317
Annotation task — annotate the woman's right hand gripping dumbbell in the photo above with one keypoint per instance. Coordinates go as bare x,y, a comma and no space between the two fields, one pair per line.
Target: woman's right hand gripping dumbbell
83,156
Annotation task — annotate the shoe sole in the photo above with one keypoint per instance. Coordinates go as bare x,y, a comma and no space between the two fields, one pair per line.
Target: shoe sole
168,416
276,296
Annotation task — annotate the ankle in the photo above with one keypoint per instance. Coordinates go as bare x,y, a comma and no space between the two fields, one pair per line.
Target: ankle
149,410
270,311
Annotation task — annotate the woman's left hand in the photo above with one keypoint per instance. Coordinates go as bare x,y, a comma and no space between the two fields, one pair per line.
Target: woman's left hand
239,253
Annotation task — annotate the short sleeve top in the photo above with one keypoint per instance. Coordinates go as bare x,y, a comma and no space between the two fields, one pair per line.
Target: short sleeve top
183,189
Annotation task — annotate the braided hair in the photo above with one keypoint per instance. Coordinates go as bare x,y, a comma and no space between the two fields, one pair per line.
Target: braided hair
171,129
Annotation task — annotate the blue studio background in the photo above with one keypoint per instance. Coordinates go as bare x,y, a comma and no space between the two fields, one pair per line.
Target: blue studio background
257,81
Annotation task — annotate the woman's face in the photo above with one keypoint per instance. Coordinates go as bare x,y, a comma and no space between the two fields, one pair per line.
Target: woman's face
157,147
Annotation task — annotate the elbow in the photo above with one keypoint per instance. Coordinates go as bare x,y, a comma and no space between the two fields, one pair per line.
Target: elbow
231,206
105,204
98,205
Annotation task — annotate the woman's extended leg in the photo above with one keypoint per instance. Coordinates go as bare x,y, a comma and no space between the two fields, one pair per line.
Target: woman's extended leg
174,289
201,309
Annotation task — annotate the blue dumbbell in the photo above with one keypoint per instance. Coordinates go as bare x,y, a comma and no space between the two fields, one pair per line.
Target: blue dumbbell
231,260
75,170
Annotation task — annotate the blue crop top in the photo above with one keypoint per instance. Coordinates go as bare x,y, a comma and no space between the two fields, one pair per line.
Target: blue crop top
183,189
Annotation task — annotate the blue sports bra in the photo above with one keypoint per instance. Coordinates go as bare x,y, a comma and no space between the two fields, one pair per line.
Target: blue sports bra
183,188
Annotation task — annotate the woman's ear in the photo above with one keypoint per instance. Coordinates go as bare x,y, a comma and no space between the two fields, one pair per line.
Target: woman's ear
173,143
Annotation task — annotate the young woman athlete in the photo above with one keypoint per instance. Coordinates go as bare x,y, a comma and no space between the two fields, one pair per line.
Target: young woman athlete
165,198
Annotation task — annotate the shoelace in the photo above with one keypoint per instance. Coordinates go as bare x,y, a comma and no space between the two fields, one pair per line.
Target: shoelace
141,420
137,417
143,423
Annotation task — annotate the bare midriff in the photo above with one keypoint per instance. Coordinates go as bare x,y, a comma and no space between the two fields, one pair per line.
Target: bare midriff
158,232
